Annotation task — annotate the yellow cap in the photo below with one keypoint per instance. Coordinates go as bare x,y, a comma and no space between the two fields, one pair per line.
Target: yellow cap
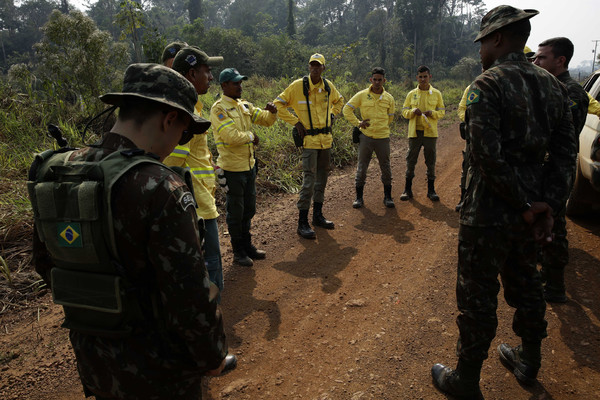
318,58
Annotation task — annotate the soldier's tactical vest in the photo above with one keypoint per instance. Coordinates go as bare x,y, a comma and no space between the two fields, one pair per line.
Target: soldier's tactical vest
71,202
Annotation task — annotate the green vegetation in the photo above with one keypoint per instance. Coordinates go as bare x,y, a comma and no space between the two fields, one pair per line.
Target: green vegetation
54,65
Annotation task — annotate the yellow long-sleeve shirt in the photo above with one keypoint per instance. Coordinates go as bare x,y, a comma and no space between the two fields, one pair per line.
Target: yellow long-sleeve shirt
462,106
379,109
320,109
196,156
232,121
594,107
432,98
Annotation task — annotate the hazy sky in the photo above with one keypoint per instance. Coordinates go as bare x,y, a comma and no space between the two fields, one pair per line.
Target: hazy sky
578,20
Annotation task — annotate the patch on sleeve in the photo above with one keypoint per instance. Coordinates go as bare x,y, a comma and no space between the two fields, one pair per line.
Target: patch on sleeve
473,96
186,200
572,103
221,116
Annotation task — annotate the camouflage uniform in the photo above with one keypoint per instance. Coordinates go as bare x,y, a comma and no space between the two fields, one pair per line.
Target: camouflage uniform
511,128
555,256
180,336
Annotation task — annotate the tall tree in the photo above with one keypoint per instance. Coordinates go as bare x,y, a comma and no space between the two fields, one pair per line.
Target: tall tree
195,9
131,18
291,23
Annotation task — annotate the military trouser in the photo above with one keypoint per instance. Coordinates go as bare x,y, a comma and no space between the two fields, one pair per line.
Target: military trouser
315,169
483,253
241,201
366,147
429,151
212,253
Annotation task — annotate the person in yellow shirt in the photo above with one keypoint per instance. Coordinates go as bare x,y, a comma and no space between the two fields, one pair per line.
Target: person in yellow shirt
314,101
195,65
232,120
594,106
423,108
377,108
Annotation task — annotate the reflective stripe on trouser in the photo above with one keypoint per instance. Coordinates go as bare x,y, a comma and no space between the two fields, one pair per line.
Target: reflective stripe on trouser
212,253
241,201
483,253
315,168
429,151
366,147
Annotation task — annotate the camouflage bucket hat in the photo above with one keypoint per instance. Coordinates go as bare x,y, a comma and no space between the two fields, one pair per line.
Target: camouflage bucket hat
501,16
158,83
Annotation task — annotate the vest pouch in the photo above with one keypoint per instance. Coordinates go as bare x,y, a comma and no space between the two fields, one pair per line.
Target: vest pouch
68,221
94,304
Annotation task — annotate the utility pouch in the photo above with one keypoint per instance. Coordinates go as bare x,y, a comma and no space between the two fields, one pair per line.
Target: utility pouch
463,130
356,135
298,140
94,303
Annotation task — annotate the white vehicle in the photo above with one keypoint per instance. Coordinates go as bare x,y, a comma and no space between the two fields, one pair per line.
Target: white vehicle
585,196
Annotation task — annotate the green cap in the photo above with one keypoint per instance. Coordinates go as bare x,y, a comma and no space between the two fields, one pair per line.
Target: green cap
231,74
191,56
500,17
158,83
171,50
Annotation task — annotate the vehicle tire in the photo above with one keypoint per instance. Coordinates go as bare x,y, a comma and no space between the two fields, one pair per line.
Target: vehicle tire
579,200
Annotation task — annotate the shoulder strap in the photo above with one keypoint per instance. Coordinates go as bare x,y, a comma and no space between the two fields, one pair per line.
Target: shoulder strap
305,89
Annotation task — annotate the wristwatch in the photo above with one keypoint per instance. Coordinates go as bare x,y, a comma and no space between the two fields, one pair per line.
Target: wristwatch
525,207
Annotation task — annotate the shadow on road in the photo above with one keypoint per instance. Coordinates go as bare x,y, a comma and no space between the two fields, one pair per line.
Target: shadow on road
380,224
437,212
578,329
323,258
240,291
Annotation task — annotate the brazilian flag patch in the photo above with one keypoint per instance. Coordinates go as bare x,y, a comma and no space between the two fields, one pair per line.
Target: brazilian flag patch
572,103
473,96
69,234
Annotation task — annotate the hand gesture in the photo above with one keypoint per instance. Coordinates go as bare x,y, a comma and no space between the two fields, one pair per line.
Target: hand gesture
364,123
270,107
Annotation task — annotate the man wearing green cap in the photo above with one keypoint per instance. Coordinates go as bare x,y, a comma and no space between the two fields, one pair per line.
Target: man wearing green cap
314,100
195,65
143,317
232,120
170,51
554,55
522,154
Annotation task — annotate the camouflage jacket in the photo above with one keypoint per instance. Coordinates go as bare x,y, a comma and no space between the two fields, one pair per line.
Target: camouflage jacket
516,114
158,242
579,101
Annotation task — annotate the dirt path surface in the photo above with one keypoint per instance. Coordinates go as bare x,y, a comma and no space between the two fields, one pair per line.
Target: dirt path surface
363,312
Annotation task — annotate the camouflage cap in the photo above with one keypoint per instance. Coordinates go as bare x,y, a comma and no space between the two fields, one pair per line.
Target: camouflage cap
159,83
501,16
191,56
171,50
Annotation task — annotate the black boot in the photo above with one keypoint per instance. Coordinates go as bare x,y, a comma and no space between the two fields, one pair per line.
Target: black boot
554,289
304,228
387,196
462,199
524,361
408,194
462,383
358,203
251,250
239,252
431,194
319,219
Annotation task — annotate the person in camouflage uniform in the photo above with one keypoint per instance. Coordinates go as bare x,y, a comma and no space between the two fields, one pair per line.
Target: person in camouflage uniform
554,55
522,155
158,244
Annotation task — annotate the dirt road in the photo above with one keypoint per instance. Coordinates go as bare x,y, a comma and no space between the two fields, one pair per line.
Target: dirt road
363,312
